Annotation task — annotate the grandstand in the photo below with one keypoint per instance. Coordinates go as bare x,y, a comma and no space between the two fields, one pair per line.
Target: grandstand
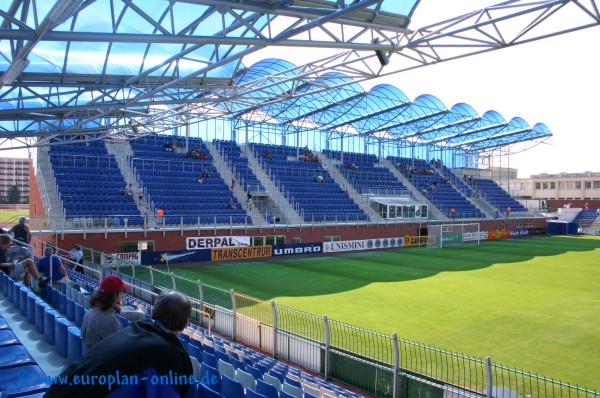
90,185
295,159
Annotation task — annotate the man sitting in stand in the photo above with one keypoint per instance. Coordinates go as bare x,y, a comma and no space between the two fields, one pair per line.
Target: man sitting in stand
19,271
51,265
231,205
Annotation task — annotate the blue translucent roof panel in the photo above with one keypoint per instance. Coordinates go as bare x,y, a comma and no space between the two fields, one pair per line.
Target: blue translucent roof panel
461,117
134,70
400,6
329,89
356,111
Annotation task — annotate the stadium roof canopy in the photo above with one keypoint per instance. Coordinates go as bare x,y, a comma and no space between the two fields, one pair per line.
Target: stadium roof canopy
118,69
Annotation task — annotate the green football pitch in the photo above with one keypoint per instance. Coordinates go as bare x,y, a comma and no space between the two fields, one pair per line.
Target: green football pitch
531,304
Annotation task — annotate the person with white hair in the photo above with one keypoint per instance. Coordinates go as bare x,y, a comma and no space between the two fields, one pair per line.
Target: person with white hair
21,231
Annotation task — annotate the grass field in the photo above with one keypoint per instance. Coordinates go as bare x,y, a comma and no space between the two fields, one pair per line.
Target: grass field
8,218
532,303
12,215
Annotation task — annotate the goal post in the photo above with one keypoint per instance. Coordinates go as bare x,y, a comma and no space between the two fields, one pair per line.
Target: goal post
453,234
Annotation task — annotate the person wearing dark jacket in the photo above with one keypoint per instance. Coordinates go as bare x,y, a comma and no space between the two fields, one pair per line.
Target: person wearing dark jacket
146,359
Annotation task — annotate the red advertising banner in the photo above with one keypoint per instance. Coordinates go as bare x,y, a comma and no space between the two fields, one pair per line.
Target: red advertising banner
498,234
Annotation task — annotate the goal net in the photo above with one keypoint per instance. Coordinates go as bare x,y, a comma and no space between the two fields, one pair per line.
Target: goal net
453,234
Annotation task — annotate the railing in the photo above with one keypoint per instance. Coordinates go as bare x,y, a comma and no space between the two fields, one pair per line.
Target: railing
84,160
377,363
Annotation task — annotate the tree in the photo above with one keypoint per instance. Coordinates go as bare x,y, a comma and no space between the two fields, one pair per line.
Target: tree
13,195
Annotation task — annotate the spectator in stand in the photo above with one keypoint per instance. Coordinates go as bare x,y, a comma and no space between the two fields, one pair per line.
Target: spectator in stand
249,200
168,146
232,184
192,154
205,173
352,166
77,257
21,231
343,188
160,213
129,190
101,320
231,204
199,179
174,144
319,178
452,212
19,271
147,351
140,194
52,266
268,154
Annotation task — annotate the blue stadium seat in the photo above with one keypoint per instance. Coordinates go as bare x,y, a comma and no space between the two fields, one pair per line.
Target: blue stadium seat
14,355
231,388
13,382
266,389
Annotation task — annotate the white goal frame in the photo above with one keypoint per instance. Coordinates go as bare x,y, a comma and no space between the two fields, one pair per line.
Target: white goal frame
453,234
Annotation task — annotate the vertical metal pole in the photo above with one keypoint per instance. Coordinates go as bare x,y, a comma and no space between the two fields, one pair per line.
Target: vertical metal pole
200,292
396,364
327,346
234,313
173,280
488,371
274,311
151,276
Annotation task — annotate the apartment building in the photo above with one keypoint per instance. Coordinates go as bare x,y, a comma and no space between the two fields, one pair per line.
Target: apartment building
561,186
14,171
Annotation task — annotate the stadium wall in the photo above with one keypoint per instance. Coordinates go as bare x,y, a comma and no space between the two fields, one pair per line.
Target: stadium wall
175,239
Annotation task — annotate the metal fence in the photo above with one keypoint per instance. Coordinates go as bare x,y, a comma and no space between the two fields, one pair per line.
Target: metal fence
379,364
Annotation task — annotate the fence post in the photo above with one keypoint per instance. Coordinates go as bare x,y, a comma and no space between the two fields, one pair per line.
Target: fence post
396,364
234,313
327,346
132,270
490,380
173,280
200,292
274,311
151,275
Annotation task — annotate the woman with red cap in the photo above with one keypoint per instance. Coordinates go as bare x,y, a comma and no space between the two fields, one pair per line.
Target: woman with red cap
101,320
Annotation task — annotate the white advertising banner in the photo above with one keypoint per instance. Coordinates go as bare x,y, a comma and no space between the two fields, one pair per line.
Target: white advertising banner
110,260
345,246
197,243
469,236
